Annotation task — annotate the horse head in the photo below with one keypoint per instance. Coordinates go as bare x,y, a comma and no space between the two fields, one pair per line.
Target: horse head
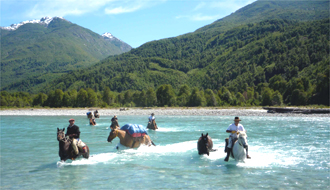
242,139
203,144
60,134
113,134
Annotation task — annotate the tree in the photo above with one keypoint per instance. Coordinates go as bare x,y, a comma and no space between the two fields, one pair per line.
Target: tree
240,99
165,95
40,99
197,98
82,98
277,98
58,97
151,97
266,97
210,98
108,96
298,97
183,95
91,97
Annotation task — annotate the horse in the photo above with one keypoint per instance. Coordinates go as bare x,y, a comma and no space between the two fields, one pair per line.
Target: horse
152,125
129,141
65,149
205,144
92,121
238,149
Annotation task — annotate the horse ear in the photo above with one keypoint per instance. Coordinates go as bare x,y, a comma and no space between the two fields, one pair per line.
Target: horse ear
63,129
206,134
58,129
202,134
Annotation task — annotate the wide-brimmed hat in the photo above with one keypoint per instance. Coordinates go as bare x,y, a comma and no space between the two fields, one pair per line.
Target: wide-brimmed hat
237,119
71,119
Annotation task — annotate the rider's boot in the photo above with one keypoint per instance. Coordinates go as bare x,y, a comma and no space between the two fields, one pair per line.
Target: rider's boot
247,153
74,146
228,154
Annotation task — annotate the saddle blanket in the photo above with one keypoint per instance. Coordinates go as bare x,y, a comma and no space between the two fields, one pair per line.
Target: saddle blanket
134,130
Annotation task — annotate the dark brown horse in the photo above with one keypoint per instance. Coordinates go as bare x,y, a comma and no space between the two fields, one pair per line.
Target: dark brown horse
129,141
205,144
65,149
152,125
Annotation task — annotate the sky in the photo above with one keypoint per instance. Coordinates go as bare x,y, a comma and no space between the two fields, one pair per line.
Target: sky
133,21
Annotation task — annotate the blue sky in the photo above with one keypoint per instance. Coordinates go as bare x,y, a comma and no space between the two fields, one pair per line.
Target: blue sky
132,21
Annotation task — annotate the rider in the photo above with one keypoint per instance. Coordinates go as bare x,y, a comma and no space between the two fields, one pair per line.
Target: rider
234,129
74,133
152,117
114,122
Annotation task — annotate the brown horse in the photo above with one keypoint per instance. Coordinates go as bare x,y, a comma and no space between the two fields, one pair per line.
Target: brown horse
152,125
92,121
129,141
66,151
205,144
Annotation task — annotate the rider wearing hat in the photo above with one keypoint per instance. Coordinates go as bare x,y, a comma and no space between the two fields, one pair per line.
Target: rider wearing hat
74,133
234,129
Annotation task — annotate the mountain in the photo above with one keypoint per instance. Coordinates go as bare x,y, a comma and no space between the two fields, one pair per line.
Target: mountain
269,9
257,46
49,47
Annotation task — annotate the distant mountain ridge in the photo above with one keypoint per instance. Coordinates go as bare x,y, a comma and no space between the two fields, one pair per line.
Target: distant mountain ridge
250,49
51,46
42,21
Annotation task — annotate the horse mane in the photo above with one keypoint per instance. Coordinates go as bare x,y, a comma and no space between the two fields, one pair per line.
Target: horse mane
242,133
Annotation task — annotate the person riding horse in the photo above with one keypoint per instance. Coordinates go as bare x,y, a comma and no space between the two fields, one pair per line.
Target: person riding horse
151,117
234,129
152,123
114,123
74,133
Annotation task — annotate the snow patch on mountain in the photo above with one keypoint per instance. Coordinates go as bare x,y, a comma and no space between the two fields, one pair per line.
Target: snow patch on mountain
108,35
43,20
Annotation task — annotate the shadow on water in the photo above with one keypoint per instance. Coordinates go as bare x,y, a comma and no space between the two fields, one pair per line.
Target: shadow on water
44,167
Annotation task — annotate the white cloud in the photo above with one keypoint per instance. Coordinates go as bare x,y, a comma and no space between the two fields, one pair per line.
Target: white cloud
119,10
231,5
79,7
199,17
204,9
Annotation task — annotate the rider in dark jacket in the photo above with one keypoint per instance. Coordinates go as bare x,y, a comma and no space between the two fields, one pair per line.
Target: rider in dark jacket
74,133
72,130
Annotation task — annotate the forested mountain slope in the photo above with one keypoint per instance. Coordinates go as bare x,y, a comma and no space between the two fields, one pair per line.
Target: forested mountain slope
282,54
46,50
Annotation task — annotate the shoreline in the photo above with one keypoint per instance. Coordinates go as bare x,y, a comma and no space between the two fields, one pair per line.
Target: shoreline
147,111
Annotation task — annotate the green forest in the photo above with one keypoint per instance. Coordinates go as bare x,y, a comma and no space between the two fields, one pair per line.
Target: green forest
274,62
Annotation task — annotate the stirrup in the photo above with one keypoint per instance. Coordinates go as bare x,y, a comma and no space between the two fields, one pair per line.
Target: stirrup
248,157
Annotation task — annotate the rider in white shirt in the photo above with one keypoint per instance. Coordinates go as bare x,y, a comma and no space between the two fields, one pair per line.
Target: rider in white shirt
233,129
151,117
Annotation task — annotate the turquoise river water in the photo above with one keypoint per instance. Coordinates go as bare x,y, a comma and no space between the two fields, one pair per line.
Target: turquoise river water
287,153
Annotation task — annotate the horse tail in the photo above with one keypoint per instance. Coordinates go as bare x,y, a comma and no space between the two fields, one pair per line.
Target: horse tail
153,143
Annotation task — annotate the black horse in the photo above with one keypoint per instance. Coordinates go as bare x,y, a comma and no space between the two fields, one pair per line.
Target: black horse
65,149
205,145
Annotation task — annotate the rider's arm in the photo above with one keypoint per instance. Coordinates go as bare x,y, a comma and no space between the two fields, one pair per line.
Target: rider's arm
230,131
